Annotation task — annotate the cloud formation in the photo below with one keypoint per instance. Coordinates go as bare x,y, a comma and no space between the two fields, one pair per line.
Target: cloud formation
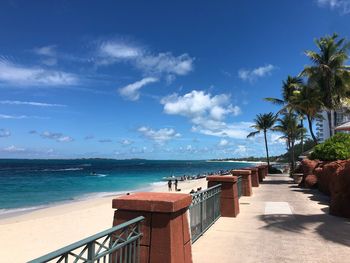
4,133
132,91
164,63
30,103
207,113
13,149
18,75
252,75
343,6
159,136
126,142
57,136
48,54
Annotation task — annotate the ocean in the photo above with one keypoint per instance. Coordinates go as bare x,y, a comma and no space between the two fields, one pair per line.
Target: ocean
31,184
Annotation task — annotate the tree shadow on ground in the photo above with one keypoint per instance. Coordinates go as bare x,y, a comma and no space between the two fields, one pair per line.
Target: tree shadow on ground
332,228
314,194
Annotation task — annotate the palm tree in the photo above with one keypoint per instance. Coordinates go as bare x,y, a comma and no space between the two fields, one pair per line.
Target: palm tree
308,102
263,122
329,72
288,126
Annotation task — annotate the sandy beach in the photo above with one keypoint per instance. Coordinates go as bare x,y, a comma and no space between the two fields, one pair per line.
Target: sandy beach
33,234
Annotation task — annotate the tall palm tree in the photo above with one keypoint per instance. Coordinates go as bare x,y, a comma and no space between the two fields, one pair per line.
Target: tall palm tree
288,126
308,102
329,72
263,123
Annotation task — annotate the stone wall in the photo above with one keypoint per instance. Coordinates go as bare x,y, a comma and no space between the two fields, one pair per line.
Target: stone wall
331,178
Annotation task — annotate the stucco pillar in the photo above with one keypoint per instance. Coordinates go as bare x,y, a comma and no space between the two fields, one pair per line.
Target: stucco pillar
229,202
166,232
254,175
246,181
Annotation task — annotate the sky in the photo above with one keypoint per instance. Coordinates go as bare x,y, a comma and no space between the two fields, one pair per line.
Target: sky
150,79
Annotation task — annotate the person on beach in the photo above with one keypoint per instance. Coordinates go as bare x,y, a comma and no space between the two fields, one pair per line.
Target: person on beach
176,185
169,186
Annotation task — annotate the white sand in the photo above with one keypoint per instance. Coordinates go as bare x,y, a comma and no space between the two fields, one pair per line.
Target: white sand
27,236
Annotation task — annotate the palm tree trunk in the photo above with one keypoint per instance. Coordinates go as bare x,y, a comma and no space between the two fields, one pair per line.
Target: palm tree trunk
267,150
309,120
293,158
302,136
329,116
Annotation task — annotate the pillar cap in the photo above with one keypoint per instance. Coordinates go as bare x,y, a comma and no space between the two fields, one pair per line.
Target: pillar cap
240,172
152,202
224,178
251,168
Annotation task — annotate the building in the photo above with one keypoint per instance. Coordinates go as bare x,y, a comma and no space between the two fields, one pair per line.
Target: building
338,117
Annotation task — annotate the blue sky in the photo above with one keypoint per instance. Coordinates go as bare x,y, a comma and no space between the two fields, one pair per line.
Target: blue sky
150,79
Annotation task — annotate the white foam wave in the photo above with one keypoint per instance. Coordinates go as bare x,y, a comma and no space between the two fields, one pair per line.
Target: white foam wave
158,183
11,211
63,169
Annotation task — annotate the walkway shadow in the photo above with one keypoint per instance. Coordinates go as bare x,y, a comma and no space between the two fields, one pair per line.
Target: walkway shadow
329,227
315,195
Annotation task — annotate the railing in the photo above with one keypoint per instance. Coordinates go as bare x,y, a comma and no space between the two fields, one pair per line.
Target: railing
239,186
204,210
117,244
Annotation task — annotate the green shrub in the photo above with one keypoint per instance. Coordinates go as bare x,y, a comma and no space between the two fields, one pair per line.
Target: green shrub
335,148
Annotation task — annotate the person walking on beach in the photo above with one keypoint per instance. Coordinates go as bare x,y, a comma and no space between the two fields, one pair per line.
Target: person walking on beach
169,186
176,185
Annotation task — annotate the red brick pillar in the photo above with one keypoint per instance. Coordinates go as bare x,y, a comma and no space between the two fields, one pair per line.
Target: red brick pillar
261,173
166,234
247,189
254,175
229,203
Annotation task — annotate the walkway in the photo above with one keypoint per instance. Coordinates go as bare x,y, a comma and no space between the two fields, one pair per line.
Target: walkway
279,223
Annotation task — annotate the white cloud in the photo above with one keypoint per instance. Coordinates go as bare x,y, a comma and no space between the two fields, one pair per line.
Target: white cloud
126,142
12,74
30,103
240,150
207,113
253,74
343,6
18,117
49,51
57,136
150,64
4,133
223,143
13,149
132,91
159,136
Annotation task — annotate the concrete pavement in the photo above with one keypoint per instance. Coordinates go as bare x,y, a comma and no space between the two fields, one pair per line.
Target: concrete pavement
279,223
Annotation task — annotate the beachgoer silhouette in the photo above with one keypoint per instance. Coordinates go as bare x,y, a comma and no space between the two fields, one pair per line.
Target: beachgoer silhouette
169,185
176,184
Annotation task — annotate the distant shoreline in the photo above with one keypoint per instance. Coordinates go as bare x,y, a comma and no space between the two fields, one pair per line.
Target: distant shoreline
234,161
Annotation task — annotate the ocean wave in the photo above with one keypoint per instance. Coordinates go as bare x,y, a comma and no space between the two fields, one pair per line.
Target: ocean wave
158,183
14,211
63,169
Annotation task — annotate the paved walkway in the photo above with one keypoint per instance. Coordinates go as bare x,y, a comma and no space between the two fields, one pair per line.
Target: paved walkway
279,223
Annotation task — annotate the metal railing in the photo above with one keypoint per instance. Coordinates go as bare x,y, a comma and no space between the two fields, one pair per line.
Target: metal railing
204,210
117,244
239,186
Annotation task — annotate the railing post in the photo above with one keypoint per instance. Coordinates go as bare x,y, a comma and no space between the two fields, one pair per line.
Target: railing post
166,236
201,213
91,251
229,203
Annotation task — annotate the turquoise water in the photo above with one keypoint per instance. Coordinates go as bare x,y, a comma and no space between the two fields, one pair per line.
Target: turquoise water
29,184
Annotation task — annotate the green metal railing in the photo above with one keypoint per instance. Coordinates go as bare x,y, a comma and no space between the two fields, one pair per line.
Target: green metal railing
117,244
204,210
239,186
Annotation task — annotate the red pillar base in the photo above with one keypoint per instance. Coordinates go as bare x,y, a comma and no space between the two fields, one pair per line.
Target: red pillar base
229,202
166,234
